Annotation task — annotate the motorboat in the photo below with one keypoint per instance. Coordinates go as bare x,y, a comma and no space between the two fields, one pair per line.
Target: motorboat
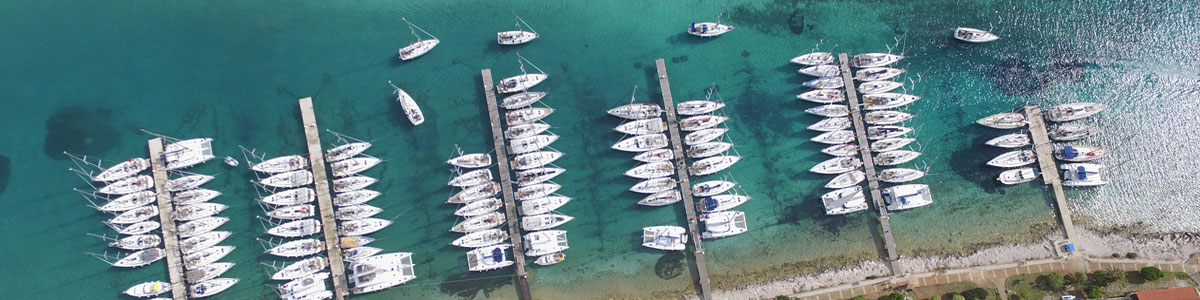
352,183
522,99
538,175
142,227
642,143
371,277
471,178
711,187
670,238
148,289
831,124
281,164
206,256
544,242
360,252
198,210
123,170
207,272
708,149
232,162
701,122
356,212
830,110
1018,176
887,100
488,258
895,157
471,160
880,132
724,223
877,73
137,242
1076,153
906,196
129,201
1074,111
544,221
525,130
362,226
135,215
520,82
662,198
899,175
516,37
835,137
527,115
697,107
886,117
710,29
821,70
194,196
833,82
289,179
550,259
298,248
721,202
1013,159
354,197
703,136
536,191
973,35
301,268
651,186
841,150
813,59
656,155
637,111
533,160
480,222
878,86
712,164
408,105
823,96
890,144
128,185
308,287
643,126
211,287
837,165
293,212
353,166
1071,132
846,180
543,205
651,170
420,46
199,226
871,60
479,207
291,197
1014,140
482,238
346,151
531,144
204,241
1003,120
140,258
298,228
844,201
1083,174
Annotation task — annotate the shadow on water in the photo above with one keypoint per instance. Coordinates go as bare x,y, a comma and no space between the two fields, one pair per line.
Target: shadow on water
78,130
971,163
684,38
467,285
670,265
5,170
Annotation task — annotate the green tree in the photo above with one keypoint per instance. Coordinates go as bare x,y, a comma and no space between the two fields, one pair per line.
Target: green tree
1078,279
859,297
1152,273
1103,278
959,297
1131,255
936,297
1055,281
896,296
1093,292
976,294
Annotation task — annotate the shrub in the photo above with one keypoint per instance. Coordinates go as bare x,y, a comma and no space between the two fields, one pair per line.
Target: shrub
959,297
1093,292
1103,278
936,297
783,297
896,296
1077,279
1116,255
976,294
1055,281
859,297
1152,273
1131,255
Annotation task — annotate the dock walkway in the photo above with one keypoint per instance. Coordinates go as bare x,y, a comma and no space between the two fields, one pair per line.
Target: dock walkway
864,147
506,188
1045,157
166,215
685,186
316,157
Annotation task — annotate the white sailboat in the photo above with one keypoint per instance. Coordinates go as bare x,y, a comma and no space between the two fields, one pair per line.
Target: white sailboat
471,160
637,111
1077,153
346,151
281,164
480,207
293,212
697,107
538,175
291,197
710,29
899,175
643,126
703,136
137,242
123,170
206,256
148,289
833,82
656,155
135,215
1071,132
651,170
129,201
298,248
1013,159
471,178
198,210
830,110
521,99
895,157
531,144
886,117
352,166
887,100
534,160
289,179
877,73
870,60
890,144
536,191
543,205
140,258
211,287
544,221
712,164
841,150
1003,120
823,96
879,132
525,130
204,241
411,110
973,35
879,86
721,202
527,115
480,222
821,70
651,186
482,238
362,226
1014,140
419,47
301,268
128,185
195,196
298,228
207,272
354,197
1074,111
516,37
701,122
846,179
142,227
711,187
199,226
837,165
813,59
662,198
708,149
835,137
642,143
357,212
521,82
352,183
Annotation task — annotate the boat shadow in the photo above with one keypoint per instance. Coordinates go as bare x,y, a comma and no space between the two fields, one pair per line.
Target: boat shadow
683,38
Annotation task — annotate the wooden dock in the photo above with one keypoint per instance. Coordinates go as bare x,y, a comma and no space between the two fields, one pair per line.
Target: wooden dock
685,186
166,216
864,147
1044,150
316,158
506,188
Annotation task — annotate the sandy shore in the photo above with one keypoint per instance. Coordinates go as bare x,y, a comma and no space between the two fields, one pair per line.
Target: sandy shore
1166,247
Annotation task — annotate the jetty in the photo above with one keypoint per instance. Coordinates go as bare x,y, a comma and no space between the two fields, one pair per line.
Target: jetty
316,157
166,216
685,186
864,148
1044,150
510,204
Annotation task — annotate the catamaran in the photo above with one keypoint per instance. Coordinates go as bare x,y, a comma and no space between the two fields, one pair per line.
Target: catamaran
844,201
670,238
907,196
419,47
516,37
724,223
545,242
710,29
488,258
411,110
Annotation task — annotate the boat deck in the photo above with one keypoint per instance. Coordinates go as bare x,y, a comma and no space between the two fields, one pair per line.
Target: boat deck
316,157
1044,150
506,186
685,186
864,145
166,215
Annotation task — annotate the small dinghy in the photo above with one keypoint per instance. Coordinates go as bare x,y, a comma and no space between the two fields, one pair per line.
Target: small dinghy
890,144
1071,132
356,212
289,180
530,144
1010,141
697,107
886,131
830,110
1003,120
480,222
519,100
637,111
670,238
293,212
123,170
538,159
823,96
844,201
482,238
525,130
701,122
353,166
471,178
346,151
195,196
1074,111
298,248
477,192
821,71
419,47
841,150
516,37
651,170
298,228
642,143
211,287
892,158
972,35
360,252
656,155
1018,176
877,73
362,226
142,227
643,126
703,136
129,201
128,185
479,207
301,268
662,198
550,259
137,242
200,226
545,242
831,124
712,164
724,223
879,86
1076,153
721,202
141,258
708,149
538,175
886,117
281,164
291,197
520,82
825,83
352,183
1013,159
711,187
1083,174
488,258
354,197
887,100
527,115
813,59
206,256
471,160
651,186
187,182
835,137
543,221
837,165
148,289
135,215
871,60
543,205
898,175
536,191
198,210
847,179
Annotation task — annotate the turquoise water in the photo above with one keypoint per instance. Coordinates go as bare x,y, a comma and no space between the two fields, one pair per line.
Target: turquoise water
85,77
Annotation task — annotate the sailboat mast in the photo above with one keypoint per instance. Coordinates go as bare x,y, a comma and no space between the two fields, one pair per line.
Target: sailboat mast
411,26
523,22
720,13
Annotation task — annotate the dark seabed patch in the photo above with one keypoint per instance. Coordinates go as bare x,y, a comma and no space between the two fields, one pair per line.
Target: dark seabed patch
670,265
4,172
1015,76
796,22
79,130
467,285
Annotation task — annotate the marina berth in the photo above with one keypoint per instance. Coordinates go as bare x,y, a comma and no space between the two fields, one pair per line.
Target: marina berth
538,175
703,136
128,185
488,258
813,59
360,252
123,170
721,202
533,160
482,238
352,166
545,242
1014,140
877,73
637,111
531,144
651,170
411,110
206,256
479,207
303,287
701,122
289,179
346,151
550,259
543,205
697,107
301,268
520,82
203,241
356,212
291,197
642,143
211,287
420,46
137,242
724,223
1013,159
708,149
669,238
871,60
830,110
651,186
544,221
298,248
900,175
841,150
835,137
199,226
847,179
1083,174
1077,153
135,215
973,35
1071,132
825,83
521,99
148,289
198,210
129,201
879,86
1073,111
480,222
844,201
471,160
896,157
823,96
1003,121
712,164
526,115
536,191
354,197
662,198
886,117
207,272
837,165
142,227
887,100
281,164
362,226
712,187
298,228
352,183
471,178
821,71
880,132
524,130
655,155
140,258
516,37
195,196
907,196
1018,176
890,144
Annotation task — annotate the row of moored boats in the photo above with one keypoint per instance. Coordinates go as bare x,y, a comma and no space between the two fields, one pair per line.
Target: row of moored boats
1078,169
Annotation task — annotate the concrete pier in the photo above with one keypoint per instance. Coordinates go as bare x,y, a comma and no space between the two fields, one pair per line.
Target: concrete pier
506,186
864,147
316,157
1044,150
685,186
166,215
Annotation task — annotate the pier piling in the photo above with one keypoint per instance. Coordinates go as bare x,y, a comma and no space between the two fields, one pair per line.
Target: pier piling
510,204
316,157
166,215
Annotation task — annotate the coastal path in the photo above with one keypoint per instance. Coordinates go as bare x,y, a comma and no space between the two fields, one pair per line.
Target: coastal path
510,205
316,157
166,216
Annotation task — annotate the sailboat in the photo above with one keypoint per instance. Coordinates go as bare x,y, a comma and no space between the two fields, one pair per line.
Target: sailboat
521,82
410,107
516,37
710,29
420,47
